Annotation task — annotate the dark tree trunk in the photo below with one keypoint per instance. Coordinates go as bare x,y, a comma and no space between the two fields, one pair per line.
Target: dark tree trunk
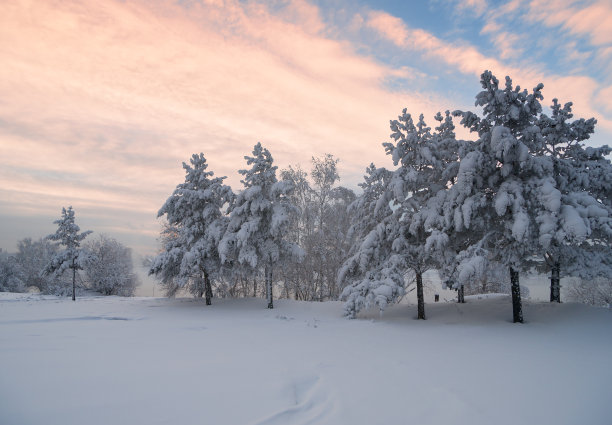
207,289
200,288
420,298
286,283
555,283
517,307
254,286
73,280
269,295
461,295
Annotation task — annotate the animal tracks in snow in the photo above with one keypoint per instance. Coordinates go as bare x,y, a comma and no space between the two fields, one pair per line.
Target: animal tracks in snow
312,404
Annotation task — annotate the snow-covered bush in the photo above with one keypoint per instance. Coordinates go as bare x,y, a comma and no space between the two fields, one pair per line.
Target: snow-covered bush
110,269
596,292
11,275
33,256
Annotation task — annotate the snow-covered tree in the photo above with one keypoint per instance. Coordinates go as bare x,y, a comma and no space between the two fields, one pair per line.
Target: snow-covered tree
256,234
524,186
596,292
497,180
72,256
320,228
32,257
111,269
324,175
408,238
338,239
299,279
580,221
196,222
373,204
366,278
11,275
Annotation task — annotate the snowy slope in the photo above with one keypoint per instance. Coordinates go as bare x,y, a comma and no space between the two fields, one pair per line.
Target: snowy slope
158,361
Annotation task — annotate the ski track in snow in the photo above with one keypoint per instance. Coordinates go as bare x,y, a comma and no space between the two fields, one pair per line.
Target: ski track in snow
313,404
65,319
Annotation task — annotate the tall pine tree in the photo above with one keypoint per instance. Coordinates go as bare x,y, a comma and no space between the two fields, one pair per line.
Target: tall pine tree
256,235
72,257
196,222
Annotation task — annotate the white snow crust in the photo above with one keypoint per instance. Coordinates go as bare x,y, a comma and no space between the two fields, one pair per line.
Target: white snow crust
112,360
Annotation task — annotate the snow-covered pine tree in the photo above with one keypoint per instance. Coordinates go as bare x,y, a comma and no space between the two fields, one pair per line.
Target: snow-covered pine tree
171,250
427,166
373,204
259,220
579,224
497,180
72,257
196,223
408,238
366,281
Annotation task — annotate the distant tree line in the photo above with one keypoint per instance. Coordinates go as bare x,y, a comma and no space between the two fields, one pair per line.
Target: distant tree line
523,194
51,264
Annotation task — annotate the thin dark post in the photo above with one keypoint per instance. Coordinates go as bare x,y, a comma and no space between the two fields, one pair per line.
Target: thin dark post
555,283
420,298
517,307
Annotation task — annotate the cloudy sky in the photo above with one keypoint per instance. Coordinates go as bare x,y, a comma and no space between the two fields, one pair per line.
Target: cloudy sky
101,101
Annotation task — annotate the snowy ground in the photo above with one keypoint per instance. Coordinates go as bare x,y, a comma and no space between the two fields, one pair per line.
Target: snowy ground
159,361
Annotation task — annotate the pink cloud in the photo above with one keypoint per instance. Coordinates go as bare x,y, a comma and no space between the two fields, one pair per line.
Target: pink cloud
389,26
115,95
593,21
476,6
468,59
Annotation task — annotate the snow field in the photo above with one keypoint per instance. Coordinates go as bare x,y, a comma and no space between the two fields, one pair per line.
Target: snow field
162,361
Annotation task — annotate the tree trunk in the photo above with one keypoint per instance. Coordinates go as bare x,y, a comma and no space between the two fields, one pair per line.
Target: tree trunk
517,307
255,286
73,280
200,291
268,272
420,298
555,283
461,295
207,289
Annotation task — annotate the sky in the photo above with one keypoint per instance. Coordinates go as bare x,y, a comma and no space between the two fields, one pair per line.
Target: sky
102,101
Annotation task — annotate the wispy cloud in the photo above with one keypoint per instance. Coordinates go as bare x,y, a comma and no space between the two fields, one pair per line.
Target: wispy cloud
468,59
593,20
477,7
113,95
101,102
